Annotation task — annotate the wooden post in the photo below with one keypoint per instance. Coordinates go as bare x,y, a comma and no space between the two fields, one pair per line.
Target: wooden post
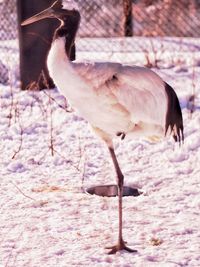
128,23
35,41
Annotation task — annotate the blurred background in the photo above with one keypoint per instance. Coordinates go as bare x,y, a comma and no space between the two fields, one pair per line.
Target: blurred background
109,28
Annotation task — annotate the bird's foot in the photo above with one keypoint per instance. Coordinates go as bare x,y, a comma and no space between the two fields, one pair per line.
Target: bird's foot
120,246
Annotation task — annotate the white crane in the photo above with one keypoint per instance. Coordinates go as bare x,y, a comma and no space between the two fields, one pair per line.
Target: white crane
117,100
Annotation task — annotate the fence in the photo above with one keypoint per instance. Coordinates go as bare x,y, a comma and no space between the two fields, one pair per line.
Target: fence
103,18
8,40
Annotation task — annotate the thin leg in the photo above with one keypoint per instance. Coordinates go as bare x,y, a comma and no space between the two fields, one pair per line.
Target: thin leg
120,181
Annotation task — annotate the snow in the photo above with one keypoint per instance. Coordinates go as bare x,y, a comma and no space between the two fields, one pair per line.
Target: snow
49,156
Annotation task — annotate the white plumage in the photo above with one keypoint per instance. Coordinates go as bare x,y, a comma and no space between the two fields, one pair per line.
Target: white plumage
111,97
117,100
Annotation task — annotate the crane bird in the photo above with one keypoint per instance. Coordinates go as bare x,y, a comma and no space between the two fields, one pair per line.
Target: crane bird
117,100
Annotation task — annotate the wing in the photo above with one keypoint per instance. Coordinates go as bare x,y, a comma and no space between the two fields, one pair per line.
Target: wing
138,90
143,93
96,74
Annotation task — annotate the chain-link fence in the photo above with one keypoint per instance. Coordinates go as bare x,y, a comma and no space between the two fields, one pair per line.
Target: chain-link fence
167,18
105,19
9,52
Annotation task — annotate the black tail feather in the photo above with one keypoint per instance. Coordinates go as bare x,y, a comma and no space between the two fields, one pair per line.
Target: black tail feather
174,119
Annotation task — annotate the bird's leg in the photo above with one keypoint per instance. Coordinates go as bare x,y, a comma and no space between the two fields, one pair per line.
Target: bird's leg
120,181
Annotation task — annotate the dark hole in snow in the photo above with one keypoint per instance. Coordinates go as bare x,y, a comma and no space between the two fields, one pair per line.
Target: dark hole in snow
112,191
60,252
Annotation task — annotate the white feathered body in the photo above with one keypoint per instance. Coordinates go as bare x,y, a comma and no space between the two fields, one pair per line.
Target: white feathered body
112,97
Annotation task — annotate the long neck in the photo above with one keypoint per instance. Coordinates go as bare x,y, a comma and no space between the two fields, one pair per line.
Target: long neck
68,30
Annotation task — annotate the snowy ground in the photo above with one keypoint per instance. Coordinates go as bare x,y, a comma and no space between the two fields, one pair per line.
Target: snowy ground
49,155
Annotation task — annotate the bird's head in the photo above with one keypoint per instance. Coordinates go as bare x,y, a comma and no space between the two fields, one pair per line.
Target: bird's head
56,10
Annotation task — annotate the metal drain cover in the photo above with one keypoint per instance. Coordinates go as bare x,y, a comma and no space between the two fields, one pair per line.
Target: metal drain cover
112,191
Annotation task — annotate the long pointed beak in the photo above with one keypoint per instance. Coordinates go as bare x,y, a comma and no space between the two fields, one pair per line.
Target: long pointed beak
42,15
47,13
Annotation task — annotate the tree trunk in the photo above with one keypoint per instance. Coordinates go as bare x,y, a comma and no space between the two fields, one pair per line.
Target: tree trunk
35,41
128,22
